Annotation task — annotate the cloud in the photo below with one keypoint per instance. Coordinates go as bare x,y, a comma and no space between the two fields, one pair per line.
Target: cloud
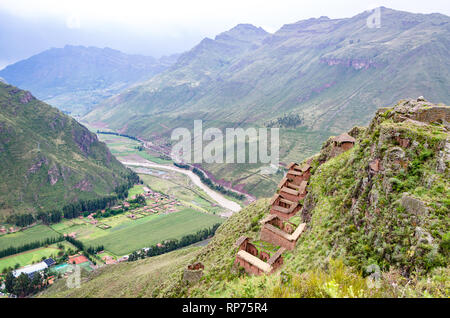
161,27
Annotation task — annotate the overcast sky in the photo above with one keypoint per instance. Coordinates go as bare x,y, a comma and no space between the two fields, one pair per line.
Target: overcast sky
161,27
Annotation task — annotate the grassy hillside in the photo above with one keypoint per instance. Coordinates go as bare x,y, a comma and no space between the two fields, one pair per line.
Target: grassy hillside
334,73
47,159
129,279
395,217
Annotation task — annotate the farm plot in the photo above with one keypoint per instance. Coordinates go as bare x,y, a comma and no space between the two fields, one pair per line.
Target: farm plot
156,229
33,234
28,257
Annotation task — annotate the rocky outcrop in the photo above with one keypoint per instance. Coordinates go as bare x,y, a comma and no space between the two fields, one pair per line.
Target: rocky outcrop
84,139
84,185
53,174
422,111
357,64
26,97
413,205
39,162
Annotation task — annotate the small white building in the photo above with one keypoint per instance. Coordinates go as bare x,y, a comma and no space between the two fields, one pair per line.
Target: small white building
30,269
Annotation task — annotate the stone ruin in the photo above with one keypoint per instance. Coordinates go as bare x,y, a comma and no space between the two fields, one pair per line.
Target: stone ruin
420,110
282,226
255,260
194,272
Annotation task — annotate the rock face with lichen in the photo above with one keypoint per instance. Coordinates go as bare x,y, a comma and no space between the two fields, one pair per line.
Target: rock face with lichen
391,191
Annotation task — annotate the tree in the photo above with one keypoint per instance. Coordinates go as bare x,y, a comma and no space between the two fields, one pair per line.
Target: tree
36,282
22,285
9,282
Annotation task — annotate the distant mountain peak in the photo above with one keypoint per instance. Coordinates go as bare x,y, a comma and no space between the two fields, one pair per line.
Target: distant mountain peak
243,32
248,27
68,76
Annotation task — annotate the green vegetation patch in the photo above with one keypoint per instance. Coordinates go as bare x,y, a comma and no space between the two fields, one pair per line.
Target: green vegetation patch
27,258
35,233
155,230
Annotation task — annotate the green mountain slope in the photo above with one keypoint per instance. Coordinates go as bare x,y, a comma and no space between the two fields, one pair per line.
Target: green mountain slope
392,214
76,78
47,159
332,72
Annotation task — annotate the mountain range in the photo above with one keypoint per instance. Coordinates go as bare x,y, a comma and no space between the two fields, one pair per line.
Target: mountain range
332,73
76,78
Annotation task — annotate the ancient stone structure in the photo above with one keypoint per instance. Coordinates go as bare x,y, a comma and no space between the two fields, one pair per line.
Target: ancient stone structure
286,203
281,233
341,144
256,261
193,272
422,111
276,228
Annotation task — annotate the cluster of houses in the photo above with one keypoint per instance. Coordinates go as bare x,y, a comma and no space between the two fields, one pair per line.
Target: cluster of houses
282,227
91,218
72,235
4,230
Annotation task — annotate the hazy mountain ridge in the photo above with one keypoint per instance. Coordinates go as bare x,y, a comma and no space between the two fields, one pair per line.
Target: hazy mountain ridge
48,159
76,78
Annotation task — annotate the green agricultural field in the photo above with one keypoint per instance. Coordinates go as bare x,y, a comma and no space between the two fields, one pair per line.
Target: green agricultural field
122,146
29,257
181,187
36,233
154,230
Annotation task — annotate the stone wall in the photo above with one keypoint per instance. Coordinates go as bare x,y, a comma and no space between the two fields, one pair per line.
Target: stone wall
275,239
249,268
433,114
192,276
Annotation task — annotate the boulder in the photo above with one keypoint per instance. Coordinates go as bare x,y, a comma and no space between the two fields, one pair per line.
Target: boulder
413,205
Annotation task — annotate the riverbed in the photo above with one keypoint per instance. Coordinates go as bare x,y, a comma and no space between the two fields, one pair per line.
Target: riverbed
216,196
